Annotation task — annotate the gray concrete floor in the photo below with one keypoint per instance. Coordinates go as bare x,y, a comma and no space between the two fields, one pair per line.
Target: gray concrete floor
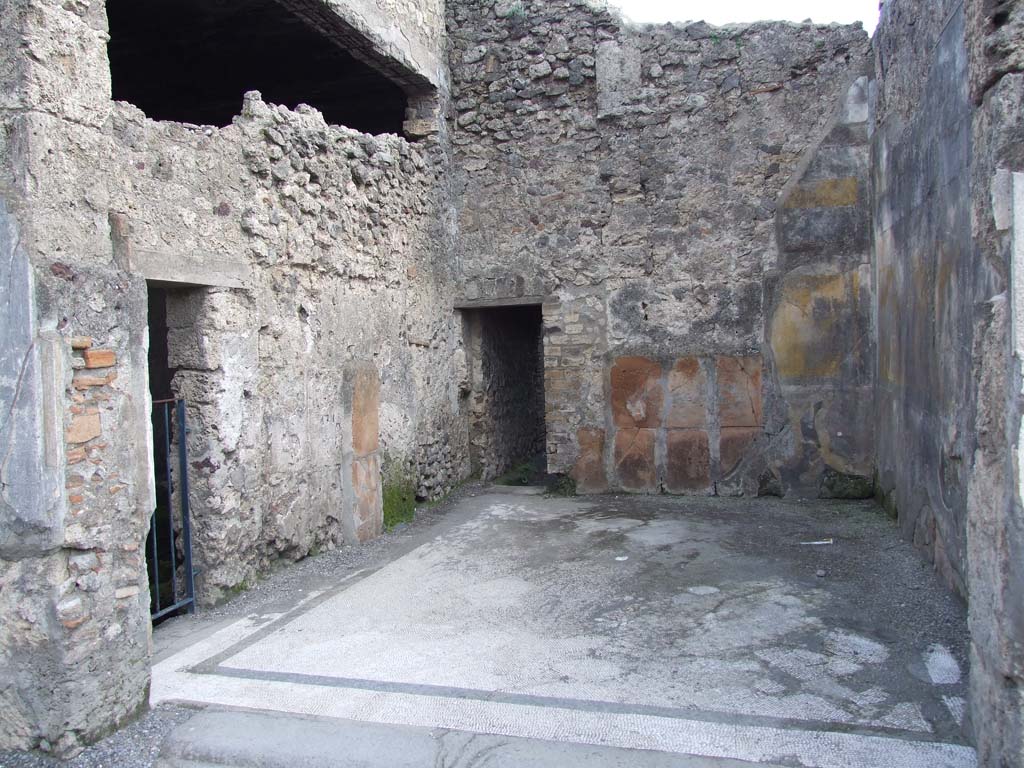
758,630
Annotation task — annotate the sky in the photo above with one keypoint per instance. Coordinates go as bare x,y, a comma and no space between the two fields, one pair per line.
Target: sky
728,11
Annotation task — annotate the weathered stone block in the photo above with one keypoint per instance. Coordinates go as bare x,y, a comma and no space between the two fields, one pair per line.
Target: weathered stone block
739,391
688,465
589,472
366,412
86,381
634,459
638,393
733,444
687,387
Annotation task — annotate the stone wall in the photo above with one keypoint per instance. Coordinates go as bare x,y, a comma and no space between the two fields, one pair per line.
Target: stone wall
631,178
947,146
311,334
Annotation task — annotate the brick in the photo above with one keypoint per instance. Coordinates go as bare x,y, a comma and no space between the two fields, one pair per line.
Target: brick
84,427
733,445
76,455
687,388
688,461
589,472
637,392
365,412
81,342
99,358
83,380
634,459
739,391
125,592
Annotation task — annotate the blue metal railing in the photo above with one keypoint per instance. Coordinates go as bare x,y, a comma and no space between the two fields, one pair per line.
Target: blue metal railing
170,541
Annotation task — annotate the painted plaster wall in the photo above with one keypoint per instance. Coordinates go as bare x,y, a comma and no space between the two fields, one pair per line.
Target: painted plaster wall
948,141
928,284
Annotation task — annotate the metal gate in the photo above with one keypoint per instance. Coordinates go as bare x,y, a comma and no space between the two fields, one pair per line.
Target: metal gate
169,546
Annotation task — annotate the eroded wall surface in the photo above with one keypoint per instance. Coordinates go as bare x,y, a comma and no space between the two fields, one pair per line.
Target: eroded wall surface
631,178
310,327
948,142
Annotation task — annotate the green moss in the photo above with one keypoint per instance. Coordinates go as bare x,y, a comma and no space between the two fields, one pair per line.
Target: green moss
520,474
887,499
561,485
399,495
839,485
234,591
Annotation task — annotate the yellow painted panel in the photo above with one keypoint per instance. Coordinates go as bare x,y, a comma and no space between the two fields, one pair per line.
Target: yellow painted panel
830,193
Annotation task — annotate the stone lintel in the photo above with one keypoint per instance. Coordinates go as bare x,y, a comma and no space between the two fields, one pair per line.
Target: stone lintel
196,268
517,301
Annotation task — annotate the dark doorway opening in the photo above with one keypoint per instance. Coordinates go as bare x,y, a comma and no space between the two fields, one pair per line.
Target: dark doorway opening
505,348
169,544
160,372
192,61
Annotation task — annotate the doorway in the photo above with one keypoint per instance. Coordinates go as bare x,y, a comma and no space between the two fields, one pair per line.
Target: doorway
169,543
505,349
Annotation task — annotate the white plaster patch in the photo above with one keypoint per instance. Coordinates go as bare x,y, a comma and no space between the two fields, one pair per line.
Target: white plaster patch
607,524
842,667
855,648
1017,265
1002,199
703,590
906,716
1017,300
957,706
661,533
942,668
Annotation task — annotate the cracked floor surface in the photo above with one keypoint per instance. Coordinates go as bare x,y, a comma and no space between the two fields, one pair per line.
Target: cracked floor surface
760,630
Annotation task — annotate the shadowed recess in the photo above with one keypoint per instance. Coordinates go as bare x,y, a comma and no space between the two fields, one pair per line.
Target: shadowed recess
192,61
